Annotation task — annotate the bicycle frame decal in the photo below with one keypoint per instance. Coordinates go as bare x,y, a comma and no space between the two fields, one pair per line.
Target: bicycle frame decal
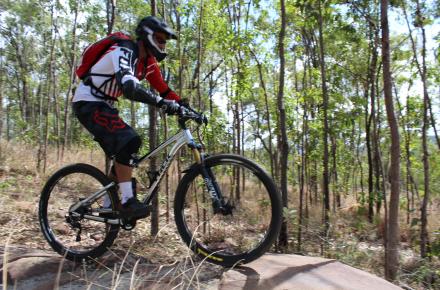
211,189
179,139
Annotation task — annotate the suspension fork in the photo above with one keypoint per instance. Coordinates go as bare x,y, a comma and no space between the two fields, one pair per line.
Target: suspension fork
210,181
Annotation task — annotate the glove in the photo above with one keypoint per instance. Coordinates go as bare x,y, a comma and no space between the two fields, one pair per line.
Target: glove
204,120
201,119
184,103
170,107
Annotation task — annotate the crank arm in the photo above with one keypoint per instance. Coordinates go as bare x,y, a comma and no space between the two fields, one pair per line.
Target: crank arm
99,219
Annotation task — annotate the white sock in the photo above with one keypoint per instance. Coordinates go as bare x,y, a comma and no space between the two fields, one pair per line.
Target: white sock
126,191
107,202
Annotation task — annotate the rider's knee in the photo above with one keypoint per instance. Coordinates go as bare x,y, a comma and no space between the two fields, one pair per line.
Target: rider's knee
129,151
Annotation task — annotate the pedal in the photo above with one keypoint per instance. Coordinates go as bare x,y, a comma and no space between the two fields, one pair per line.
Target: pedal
129,224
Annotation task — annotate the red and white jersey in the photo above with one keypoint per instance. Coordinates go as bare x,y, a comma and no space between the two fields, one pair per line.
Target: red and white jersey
121,56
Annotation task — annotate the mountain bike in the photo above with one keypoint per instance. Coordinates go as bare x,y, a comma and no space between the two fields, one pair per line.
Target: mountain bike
226,207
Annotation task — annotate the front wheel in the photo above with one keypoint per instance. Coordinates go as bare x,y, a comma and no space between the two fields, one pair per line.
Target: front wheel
248,227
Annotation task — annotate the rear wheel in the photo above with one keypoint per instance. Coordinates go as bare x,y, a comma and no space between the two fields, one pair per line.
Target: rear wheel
76,237
247,227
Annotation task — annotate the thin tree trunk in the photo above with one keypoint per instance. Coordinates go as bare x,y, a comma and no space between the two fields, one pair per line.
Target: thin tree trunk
267,113
152,136
57,111
51,84
424,236
301,171
237,150
392,238
306,146
282,142
22,79
359,162
8,122
325,185
407,140
111,7
40,129
181,68
422,68
71,82
373,194
336,189
1,103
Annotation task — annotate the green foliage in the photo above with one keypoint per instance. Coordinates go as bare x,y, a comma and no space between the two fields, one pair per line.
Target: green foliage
289,214
223,48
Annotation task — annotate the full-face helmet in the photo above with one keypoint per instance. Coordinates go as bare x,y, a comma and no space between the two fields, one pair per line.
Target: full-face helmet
154,33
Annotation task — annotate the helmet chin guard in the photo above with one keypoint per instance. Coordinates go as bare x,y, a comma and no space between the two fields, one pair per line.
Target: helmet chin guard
152,46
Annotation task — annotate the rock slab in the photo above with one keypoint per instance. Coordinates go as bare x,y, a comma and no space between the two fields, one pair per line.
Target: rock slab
31,269
276,271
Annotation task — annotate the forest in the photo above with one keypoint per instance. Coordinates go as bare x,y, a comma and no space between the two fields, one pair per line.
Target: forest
337,100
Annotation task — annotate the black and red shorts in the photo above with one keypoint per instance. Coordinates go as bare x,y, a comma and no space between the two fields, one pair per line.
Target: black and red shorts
104,123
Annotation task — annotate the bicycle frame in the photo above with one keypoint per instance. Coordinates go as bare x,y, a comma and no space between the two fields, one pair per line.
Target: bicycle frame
179,139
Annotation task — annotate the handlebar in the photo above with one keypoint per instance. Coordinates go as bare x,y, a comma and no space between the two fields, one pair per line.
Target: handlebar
187,113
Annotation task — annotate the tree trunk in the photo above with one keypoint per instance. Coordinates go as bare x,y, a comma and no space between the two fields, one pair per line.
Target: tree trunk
373,180
71,82
57,112
283,146
111,7
422,68
237,128
1,103
50,86
424,237
392,238
301,172
336,189
267,113
325,184
152,136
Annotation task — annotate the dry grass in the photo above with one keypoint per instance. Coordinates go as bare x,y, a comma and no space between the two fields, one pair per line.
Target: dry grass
20,186
358,243
353,240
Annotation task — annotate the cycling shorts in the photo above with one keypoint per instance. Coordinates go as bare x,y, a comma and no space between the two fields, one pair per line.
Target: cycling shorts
104,123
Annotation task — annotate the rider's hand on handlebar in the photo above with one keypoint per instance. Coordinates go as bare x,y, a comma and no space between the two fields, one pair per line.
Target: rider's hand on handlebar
201,119
184,103
170,107
187,112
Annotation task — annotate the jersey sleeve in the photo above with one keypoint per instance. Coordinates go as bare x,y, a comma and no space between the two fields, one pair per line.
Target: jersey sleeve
154,77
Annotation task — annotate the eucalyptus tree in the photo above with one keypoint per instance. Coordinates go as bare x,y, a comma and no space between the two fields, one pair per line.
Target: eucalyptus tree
71,56
283,145
421,19
392,223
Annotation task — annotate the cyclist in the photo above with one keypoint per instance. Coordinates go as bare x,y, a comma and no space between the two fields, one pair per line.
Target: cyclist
119,72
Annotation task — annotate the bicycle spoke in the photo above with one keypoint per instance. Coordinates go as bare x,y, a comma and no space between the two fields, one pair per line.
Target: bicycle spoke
244,227
62,211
